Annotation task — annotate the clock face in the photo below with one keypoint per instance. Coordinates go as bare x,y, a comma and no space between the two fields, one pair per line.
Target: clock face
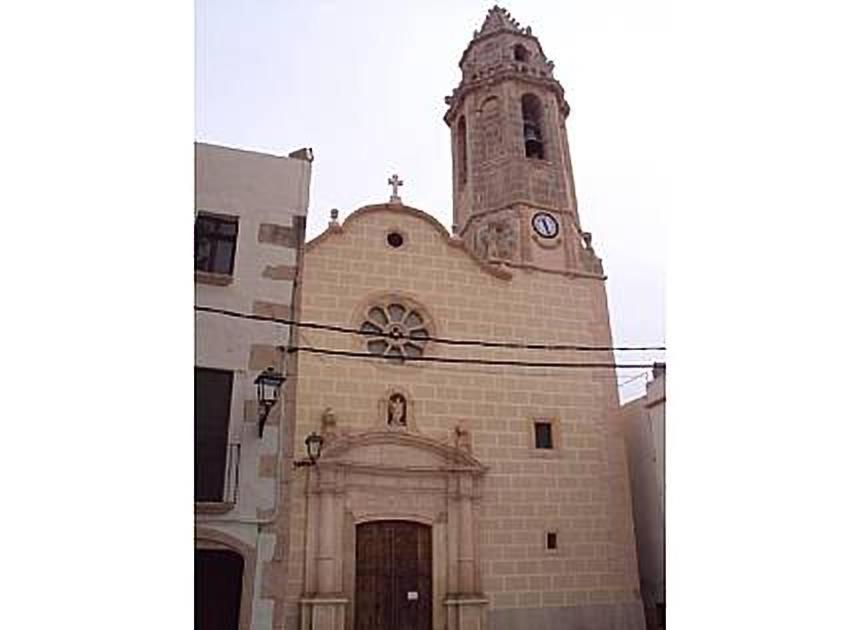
545,225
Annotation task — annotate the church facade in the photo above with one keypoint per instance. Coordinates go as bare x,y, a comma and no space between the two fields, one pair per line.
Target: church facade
457,489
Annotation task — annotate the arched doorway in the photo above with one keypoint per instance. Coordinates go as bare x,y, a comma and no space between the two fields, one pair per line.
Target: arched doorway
393,576
429,487
217,589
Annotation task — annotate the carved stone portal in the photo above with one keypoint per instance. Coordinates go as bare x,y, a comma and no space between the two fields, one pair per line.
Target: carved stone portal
386,475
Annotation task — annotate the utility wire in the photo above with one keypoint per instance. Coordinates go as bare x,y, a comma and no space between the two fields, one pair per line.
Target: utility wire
404,359
469,370
443,340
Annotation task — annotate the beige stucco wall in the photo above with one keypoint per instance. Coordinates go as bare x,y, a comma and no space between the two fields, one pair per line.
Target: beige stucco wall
580,489
260,190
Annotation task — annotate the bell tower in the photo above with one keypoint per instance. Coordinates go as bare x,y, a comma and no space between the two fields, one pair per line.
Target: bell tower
514,197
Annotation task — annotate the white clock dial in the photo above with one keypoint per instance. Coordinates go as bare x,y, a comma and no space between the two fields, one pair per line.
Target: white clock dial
545,225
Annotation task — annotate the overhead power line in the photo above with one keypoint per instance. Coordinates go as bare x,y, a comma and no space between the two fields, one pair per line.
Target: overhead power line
442,340
457,360
478,370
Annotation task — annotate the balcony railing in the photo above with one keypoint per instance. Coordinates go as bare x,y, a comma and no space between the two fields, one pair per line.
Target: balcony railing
231,478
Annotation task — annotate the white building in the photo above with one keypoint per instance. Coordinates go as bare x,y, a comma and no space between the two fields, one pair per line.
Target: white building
645,437
249,234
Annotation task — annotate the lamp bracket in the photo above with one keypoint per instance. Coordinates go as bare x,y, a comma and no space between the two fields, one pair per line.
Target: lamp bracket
264,414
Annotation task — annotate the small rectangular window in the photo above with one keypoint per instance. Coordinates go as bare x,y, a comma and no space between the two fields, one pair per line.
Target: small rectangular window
551,540
543,435
215,243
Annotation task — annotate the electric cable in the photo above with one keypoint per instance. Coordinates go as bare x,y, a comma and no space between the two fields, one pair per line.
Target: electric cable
464,361
442,340
471,370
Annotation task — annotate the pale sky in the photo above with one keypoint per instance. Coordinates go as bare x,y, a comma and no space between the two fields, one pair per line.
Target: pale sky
363,84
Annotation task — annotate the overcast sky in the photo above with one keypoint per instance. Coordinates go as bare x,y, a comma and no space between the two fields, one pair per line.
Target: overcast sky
363,84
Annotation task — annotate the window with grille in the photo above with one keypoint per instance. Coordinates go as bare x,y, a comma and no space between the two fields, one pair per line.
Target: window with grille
215,243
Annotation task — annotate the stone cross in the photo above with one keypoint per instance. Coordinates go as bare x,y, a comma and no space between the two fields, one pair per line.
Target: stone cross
395,182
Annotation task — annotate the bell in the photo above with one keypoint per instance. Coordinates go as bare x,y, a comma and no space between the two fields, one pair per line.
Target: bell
531,132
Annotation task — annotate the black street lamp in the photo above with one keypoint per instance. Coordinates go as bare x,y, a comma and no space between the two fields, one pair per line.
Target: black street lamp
313,444
268,389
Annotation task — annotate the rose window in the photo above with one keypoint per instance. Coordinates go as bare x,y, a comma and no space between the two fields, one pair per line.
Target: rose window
395,331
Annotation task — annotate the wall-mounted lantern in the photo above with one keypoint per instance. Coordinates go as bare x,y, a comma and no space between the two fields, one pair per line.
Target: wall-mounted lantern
268,389
313,444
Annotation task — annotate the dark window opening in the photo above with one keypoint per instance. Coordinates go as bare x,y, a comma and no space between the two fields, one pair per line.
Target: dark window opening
543,435
215,243
532,127
217,589
521,53
551,540
394,239
213,391
462,156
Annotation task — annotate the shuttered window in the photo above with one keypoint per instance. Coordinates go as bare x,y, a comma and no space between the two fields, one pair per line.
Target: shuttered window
213,390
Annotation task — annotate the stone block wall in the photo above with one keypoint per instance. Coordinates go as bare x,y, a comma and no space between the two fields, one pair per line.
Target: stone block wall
578,490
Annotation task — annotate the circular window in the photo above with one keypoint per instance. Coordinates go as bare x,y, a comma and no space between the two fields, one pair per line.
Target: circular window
395,239
395,331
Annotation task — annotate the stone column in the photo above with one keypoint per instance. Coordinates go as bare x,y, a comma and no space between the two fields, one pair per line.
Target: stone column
466,559
326,608
326,555
466,609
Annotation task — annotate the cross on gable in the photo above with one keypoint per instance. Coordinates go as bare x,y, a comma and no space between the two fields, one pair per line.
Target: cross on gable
395,182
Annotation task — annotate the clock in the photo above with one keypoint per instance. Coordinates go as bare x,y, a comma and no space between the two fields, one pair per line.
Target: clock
545,225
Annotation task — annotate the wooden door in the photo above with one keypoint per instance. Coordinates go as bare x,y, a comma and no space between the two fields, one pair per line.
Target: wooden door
393,576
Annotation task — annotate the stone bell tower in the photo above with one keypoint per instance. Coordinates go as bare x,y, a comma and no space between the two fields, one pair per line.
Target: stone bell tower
514,197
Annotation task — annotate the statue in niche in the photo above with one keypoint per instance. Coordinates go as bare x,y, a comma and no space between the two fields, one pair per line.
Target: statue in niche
497,240
397,410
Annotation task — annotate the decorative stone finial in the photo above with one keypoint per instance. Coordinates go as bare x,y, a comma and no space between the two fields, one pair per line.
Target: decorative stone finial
329,421
462,439
498,19
395,182
586,236
334,213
